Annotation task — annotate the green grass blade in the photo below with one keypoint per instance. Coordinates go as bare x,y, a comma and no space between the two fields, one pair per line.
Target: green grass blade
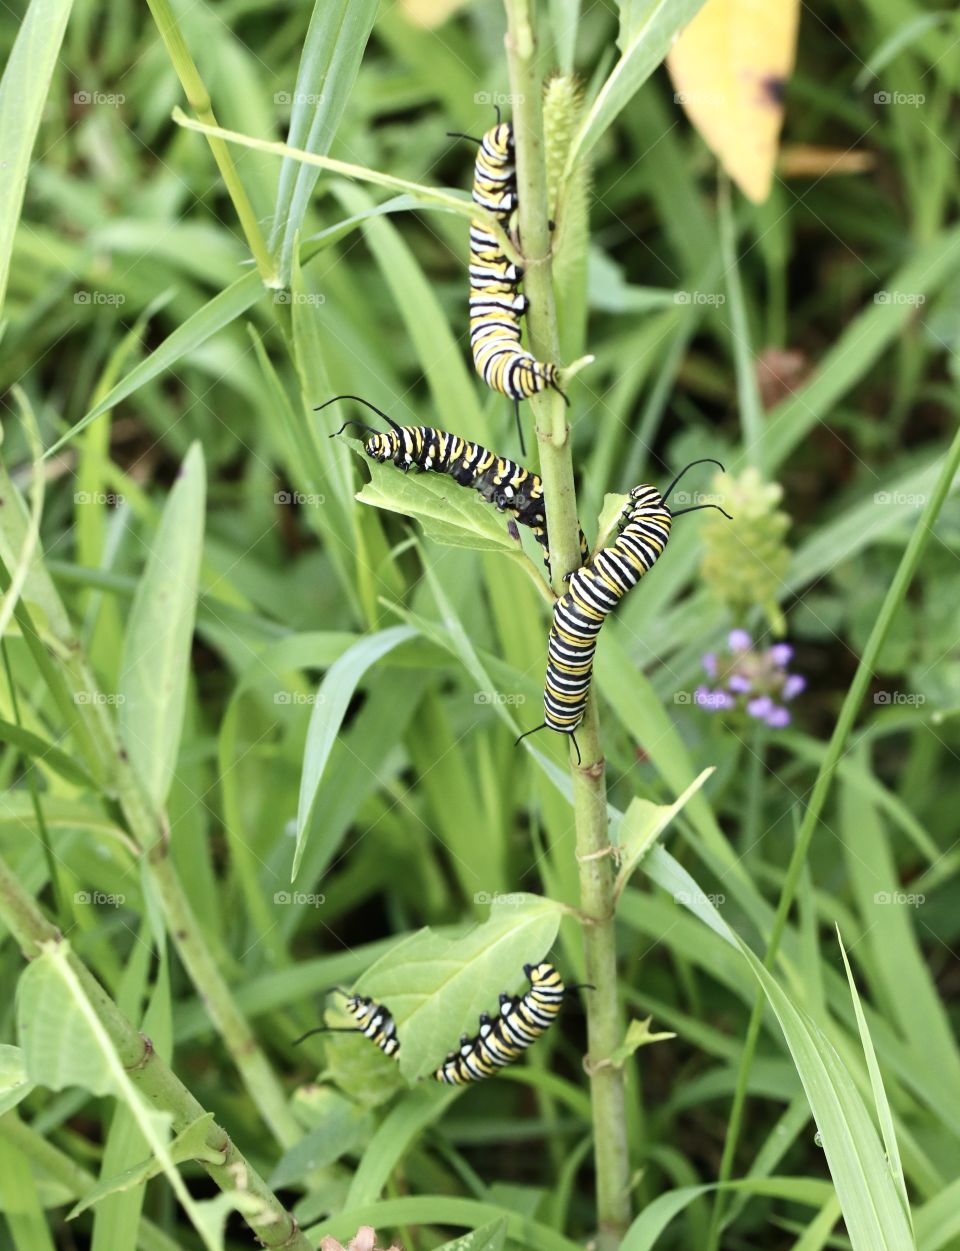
329,63
23,94
155,661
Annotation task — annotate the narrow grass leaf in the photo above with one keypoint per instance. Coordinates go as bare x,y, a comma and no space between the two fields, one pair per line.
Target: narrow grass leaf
23,93
402,1125
155,662
332,51
333,698
881,1103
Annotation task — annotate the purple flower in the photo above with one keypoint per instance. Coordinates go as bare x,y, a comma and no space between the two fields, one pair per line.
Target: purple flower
794,684
760,707
709,662
778,717
739,682
781,654
739,641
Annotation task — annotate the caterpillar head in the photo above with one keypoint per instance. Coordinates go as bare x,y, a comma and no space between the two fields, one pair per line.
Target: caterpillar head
378,446
647,499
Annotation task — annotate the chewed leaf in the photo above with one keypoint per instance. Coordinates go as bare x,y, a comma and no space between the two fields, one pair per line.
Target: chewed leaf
451,514
433,979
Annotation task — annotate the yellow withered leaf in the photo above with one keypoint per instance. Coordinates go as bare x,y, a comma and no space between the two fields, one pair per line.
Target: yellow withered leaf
729,67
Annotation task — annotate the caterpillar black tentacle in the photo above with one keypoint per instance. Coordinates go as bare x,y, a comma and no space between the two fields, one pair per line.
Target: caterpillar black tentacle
498,480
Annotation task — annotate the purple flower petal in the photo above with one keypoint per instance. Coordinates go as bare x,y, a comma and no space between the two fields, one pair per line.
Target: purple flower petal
760,707
777,718
709,662
739,682
724,700
781,654
793,685
739,641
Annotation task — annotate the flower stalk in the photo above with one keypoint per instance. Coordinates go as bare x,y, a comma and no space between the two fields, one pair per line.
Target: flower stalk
594,851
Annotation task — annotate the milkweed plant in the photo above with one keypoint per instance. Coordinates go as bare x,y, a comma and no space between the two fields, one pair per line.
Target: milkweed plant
306,938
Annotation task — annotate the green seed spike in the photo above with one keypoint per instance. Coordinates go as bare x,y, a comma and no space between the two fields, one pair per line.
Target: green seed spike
745,564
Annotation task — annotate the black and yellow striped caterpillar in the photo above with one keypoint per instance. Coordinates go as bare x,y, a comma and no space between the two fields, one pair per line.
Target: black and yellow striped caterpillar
498,479
495,303
594,591
521,1020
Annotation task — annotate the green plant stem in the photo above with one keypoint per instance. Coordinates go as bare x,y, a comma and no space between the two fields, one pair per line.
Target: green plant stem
162,1089
199,100
604,1023
76,1180
828,767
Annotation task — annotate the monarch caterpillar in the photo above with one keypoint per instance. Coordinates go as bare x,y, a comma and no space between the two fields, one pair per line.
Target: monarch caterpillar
594,591
519,1023
498,479
373,1022
495,303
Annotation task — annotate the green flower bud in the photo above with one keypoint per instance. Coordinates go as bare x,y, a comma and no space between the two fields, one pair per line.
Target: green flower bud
746,560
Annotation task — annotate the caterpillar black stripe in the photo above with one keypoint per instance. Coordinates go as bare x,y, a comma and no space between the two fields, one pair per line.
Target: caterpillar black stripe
498,479
593,592
496,305
521,1020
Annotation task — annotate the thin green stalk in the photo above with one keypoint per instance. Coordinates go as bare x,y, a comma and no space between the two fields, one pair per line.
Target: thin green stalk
162,1089
199,100
828,767
604,1023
